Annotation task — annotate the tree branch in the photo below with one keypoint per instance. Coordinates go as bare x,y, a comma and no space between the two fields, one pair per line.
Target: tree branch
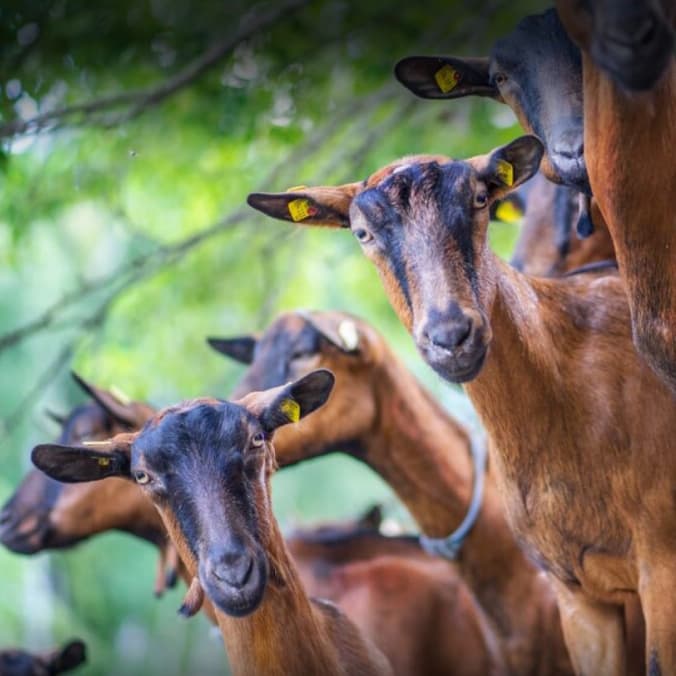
140,100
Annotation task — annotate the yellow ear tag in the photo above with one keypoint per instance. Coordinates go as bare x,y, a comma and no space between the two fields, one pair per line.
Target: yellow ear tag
124,399
447,78
300,209
505,172
291,409
104,462
507,212
297,188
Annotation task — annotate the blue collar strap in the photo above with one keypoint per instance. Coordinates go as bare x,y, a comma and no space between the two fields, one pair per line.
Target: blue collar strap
449,547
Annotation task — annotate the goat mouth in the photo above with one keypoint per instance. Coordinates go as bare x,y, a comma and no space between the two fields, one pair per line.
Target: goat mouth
456,369
237,601
21,540
572,172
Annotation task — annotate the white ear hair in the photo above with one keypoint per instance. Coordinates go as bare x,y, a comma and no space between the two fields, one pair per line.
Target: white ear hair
347,330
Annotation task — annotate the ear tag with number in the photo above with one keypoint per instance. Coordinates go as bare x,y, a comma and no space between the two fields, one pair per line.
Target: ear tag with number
291,409
301,209
505,172
447,78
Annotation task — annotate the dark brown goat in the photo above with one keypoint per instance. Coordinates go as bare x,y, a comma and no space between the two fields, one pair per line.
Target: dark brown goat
379,414
16,662
588,472
215,503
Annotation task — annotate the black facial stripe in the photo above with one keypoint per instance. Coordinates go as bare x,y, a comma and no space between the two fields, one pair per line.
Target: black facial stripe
201,449
385,220
455,200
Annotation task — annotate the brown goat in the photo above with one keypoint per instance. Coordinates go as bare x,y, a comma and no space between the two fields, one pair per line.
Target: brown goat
551,369
348,565
622,154
379,414
16,662
629,140
206,464
46,514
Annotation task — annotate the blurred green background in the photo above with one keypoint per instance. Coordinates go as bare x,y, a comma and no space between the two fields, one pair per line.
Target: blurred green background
125,240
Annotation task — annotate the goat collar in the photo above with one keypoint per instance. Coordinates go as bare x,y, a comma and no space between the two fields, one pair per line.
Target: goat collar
450,546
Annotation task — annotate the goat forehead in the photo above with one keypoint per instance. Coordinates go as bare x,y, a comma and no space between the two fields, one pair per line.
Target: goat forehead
537,41
196,432
420,197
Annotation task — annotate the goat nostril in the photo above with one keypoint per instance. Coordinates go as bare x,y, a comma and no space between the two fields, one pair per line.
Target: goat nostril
234,569
450,337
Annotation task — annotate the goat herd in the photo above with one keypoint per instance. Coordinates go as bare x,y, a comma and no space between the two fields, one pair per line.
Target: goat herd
565,557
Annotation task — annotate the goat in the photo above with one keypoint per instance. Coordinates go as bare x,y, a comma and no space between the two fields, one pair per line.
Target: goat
206,464
415,607
627,138
547,245
16,662
46,514
352,565
380,415
561,380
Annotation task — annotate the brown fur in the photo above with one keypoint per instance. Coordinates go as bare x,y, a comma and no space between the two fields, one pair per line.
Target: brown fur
629,140
561,384
423,453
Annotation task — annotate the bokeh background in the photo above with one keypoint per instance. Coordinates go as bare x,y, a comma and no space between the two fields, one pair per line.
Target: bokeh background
131,132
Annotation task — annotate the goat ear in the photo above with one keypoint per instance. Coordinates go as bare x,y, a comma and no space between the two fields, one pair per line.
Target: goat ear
326,206
372,518
291,402
239,348
70,656
93,462
340,331
115,405
446,77
509,166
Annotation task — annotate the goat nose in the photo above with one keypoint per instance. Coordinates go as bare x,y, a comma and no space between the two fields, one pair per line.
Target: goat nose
233,567
450,336
570,146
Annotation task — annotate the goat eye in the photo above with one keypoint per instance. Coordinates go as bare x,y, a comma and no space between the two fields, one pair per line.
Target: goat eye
142,478
499,79
258,439
481,200
363,235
